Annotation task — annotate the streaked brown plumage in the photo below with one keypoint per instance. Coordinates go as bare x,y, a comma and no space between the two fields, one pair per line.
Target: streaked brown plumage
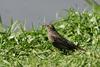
59,41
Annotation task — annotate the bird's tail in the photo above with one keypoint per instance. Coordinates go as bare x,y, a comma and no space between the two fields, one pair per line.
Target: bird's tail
79,48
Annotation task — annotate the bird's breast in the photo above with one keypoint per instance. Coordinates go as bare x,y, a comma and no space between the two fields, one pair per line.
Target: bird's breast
51,37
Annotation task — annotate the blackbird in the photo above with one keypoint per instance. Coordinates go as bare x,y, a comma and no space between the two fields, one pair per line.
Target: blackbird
59,41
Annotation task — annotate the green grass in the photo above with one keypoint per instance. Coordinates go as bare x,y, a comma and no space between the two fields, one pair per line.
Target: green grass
21,48
94,5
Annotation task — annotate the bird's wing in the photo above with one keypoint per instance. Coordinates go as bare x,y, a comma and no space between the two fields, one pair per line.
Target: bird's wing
64,42
70,45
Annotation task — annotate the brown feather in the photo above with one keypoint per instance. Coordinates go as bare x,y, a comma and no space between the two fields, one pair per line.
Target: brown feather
59,41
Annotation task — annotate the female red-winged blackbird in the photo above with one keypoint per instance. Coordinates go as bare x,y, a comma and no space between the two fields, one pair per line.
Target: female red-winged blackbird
59,41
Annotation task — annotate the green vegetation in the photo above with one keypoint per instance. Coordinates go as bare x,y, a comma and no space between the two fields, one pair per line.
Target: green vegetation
21,48
94,5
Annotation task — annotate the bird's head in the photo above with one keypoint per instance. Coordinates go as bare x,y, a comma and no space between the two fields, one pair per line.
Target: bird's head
50,27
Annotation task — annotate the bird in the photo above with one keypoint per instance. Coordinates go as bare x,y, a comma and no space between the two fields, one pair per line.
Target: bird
59,41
